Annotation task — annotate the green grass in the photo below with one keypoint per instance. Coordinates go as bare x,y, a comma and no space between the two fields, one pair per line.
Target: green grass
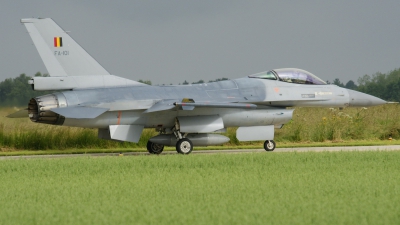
254,188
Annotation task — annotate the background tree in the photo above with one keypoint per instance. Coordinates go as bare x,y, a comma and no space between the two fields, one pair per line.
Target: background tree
385,86
219,79
199,82
337,82
351,85
148,82
17,91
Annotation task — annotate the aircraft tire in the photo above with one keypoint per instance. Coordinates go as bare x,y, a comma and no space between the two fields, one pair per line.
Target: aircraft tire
154,148
269,145
184,146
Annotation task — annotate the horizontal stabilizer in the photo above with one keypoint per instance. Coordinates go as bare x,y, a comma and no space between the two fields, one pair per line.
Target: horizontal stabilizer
19,114
190,106
80,112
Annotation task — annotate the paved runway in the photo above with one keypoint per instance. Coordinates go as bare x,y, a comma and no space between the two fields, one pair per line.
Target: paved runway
278,150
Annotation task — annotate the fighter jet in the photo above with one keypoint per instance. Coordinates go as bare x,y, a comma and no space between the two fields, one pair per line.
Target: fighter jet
184,115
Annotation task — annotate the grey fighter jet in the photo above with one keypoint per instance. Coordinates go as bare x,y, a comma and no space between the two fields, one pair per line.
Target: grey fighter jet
184,115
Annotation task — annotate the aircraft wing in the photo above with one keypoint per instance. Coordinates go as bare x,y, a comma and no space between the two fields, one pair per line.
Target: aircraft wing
89,112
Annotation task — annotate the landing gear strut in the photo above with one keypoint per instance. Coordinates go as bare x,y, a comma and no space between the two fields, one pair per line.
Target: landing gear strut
154,148
183,145
269,145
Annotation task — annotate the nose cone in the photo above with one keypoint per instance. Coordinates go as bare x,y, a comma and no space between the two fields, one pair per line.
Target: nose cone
358,99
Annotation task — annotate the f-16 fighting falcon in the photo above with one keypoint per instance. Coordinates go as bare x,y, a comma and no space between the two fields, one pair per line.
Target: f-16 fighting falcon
184,115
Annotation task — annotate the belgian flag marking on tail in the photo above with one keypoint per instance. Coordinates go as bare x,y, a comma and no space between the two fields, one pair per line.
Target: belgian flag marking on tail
57,42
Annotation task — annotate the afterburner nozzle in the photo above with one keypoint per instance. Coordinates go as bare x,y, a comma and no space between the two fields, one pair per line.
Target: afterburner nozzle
358,99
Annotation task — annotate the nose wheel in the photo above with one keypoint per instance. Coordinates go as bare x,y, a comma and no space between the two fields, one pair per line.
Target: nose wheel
184,146
269,145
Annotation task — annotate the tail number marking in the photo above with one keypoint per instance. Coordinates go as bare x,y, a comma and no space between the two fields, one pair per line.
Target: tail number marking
61,53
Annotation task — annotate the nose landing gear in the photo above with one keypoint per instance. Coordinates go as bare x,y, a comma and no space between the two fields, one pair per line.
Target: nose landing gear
269,145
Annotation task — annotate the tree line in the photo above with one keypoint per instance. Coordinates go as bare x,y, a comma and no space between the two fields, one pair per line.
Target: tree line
382,85
17,91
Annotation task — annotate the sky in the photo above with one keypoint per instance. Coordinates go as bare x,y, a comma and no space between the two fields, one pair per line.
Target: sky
176,40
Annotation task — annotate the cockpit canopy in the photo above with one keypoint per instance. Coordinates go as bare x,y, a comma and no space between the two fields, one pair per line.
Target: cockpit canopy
290,75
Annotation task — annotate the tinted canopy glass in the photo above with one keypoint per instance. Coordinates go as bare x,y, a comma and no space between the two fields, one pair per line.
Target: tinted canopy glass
290,75
264,75
298,76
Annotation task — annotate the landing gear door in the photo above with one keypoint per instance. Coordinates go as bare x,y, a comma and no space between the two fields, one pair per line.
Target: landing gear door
200,124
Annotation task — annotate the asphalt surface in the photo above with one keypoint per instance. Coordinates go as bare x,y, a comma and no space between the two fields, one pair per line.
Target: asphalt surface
278,150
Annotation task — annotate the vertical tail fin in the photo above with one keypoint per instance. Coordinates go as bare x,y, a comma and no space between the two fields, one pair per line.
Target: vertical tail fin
61,55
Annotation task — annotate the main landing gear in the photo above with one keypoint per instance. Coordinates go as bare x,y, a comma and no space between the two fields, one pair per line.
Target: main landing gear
183,142
154,148
184,146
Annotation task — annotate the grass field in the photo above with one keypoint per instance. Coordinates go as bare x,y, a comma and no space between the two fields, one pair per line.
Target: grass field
256,188
310,126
